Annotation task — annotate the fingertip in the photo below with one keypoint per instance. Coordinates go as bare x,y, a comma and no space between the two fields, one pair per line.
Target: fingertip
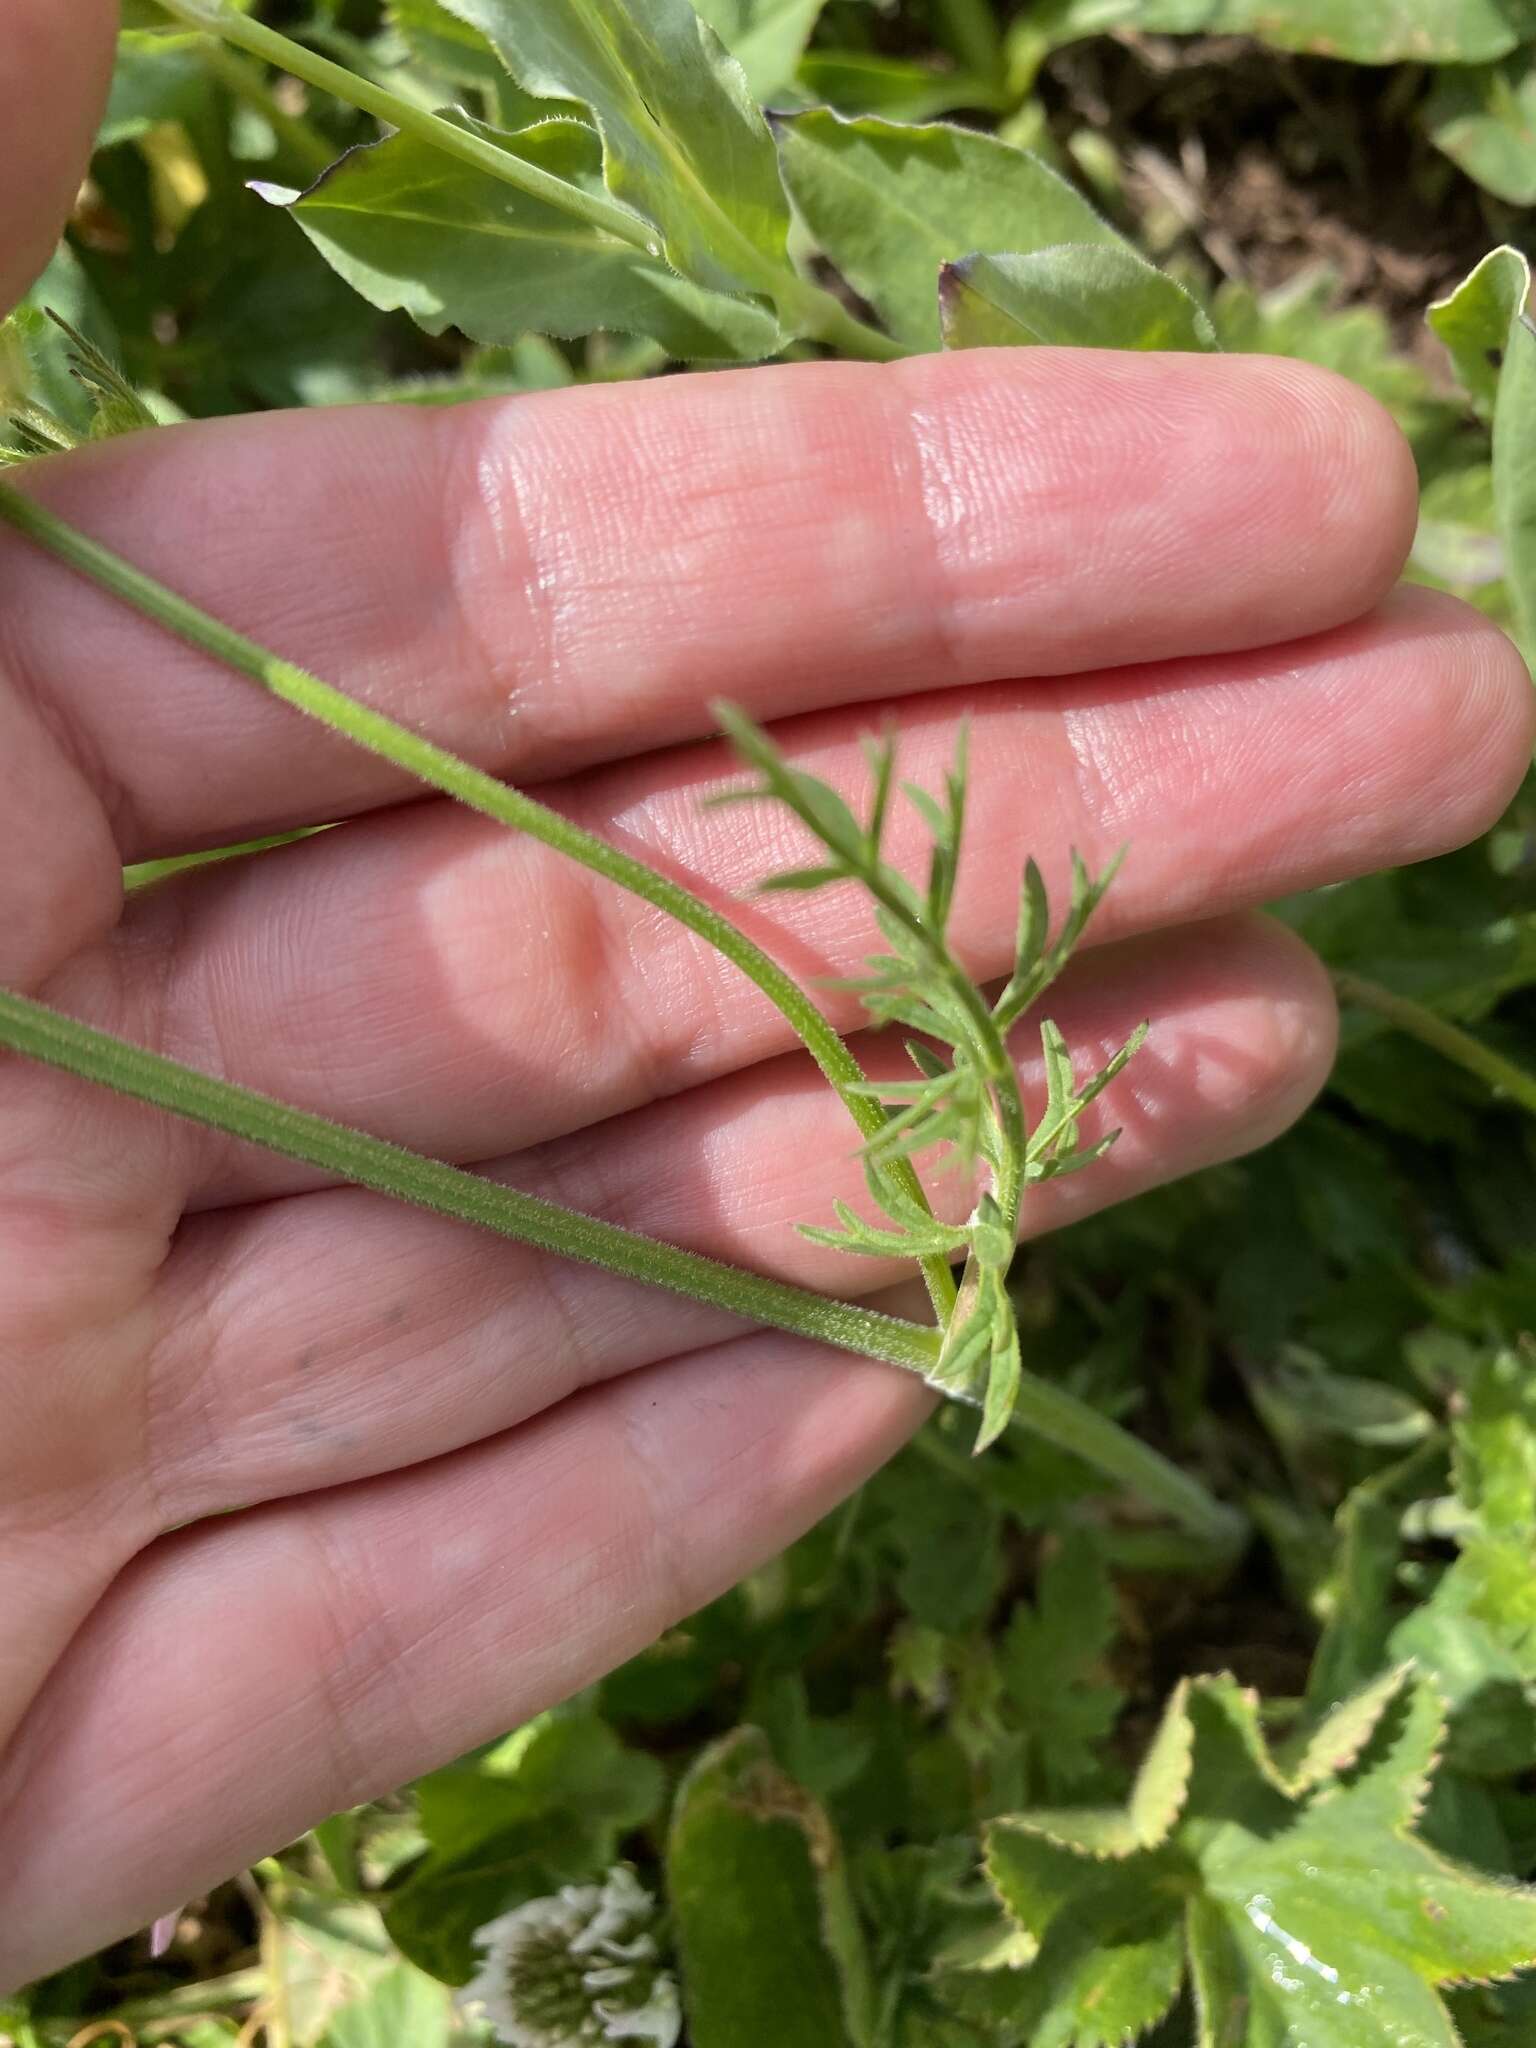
55,68
1354,487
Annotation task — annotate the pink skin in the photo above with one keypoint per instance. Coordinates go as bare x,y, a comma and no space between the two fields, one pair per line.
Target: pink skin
480,1478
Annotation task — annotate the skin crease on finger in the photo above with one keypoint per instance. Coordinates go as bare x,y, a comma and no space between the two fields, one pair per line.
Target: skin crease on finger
279,1353
357,972
547,582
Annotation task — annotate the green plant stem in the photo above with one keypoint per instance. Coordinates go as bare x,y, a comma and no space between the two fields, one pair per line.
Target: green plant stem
471,786
1060,1417
58,1041
1000,1070
1501,1075
212,17
808,308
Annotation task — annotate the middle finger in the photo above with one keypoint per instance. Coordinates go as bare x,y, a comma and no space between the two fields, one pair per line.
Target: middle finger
458,988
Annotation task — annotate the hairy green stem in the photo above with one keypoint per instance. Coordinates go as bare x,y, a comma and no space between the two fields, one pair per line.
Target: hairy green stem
808,307
349,1155
58,1041
481,792
1050,1411
1501,1075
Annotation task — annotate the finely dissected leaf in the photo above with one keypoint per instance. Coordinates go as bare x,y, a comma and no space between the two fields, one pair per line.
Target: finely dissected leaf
891,204
766,1930
1484,117
1051,1654
766,37
684,140
1075,295
408,227
1487,326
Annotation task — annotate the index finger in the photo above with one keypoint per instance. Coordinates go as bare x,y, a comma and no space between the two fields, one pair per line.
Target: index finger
553,580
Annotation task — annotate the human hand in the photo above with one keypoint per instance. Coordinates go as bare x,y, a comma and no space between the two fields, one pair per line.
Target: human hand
472,1478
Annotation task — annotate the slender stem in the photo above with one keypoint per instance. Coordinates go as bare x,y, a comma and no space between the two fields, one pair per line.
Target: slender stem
1503,1076
31,1028
807,307
596,208
1000,1069
58,1041
484,793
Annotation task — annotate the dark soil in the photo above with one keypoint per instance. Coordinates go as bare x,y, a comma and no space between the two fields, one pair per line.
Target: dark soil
1275,164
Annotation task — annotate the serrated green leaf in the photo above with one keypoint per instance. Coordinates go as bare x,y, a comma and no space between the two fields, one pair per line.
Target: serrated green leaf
1157,1798
766,1928
1484,117
408,227
1070,296
889,204
1335,1743
1107,1938
684,140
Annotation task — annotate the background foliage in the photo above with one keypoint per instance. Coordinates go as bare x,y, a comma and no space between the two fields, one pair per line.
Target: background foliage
987,1756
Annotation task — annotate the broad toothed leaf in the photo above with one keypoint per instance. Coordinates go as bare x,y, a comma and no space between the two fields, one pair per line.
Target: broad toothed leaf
889,204
1304,1904
408,227
684,141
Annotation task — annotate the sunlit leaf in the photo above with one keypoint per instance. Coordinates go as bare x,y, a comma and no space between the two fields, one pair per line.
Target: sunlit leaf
454,246
891,204
1071,296
684,140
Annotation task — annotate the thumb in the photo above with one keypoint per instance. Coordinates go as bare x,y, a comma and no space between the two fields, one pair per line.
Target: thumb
55,66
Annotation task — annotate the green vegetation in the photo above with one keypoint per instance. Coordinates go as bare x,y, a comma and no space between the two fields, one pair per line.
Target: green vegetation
1202,1707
